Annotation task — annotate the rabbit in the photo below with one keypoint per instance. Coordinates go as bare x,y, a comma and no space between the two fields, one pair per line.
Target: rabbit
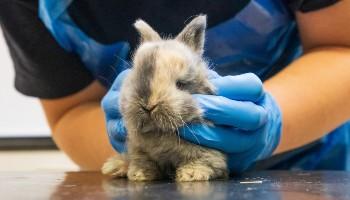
155,101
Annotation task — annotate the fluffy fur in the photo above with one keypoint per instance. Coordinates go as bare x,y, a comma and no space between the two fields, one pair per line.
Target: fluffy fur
156,100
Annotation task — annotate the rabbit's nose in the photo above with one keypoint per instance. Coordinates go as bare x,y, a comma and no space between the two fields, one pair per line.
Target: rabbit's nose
149,108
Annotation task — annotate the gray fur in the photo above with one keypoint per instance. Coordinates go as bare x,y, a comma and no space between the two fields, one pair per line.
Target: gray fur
155,150
144,76
193,34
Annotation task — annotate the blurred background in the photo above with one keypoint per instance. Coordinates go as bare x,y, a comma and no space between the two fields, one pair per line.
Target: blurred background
20,116
25,142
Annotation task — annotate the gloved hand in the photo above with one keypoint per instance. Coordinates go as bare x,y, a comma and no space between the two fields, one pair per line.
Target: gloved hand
247,121
110,105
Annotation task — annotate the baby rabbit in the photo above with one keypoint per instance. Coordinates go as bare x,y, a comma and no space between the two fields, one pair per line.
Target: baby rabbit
156,100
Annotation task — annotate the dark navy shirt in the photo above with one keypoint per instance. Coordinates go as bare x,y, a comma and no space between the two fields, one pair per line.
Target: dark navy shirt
43,69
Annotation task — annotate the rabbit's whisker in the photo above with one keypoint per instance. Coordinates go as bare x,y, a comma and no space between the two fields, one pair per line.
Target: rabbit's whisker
124,61
190,129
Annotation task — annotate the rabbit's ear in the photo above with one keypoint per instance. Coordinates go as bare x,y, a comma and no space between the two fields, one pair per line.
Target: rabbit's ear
146,31
194,33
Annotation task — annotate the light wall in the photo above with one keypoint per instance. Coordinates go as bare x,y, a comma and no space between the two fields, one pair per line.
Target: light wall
19,115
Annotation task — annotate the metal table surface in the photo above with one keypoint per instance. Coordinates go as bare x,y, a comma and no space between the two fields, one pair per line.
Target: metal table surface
255,185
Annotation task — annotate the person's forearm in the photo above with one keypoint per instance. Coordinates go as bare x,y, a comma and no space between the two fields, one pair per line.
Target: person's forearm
313,94
81,134
78,126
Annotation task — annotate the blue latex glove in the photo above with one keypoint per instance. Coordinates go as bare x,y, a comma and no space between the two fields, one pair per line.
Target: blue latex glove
247,121
110,105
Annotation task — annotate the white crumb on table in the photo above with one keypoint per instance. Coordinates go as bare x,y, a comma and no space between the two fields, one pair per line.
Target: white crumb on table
251,182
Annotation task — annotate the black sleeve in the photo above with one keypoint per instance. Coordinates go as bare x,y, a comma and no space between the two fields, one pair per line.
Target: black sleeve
42,68
309,5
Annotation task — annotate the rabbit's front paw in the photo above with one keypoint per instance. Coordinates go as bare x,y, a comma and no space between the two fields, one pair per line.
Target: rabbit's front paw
115,166
193,173
140,174
143,170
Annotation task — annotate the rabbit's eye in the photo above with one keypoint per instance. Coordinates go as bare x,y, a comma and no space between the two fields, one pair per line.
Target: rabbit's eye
181,85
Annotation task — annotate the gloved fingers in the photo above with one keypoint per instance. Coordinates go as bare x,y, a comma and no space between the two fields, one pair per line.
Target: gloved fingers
110,104
243,115
244,87
115,125
213,74
226,139
116,130
119,80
